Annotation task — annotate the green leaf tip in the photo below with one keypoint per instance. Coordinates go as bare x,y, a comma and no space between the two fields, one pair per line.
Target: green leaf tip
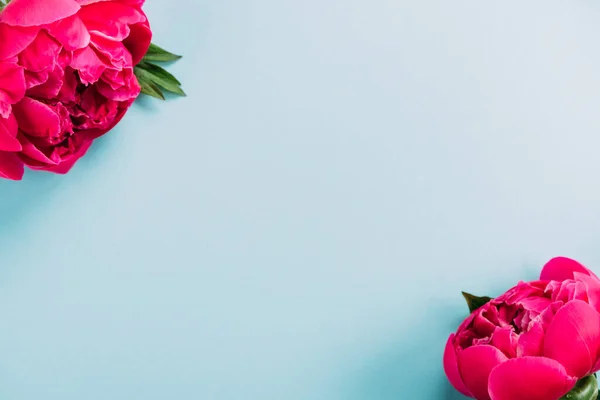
474,302
156,53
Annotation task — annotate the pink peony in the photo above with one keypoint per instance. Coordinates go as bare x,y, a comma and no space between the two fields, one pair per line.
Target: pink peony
66,77
533,342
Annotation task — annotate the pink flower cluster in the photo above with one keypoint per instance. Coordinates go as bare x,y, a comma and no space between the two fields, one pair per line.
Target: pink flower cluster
66,77
533,342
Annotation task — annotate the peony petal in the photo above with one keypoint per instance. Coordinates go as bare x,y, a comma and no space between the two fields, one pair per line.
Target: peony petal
37,12
15,39
8,134
567,290
529,378
69,161
596,366
12,83
138,41
451,367
41,54
548,314
10,166
89,65
111,19
505,339
8,143
68,91
5,109
592,288
562,268
475,365
485,320
36,118
531,343
123,87
131,2
70,32
522,291
535,303
31,155
113,52
50,88
580,292
573,338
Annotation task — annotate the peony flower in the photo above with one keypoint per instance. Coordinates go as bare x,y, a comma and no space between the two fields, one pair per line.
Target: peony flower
534,342
73,63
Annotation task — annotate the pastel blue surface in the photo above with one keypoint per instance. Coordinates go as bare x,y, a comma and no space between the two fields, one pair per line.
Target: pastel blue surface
300,226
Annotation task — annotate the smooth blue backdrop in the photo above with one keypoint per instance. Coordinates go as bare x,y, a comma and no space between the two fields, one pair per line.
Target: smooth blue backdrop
300,226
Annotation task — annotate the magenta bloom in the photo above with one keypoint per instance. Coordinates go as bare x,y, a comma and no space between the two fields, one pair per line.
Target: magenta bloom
533,342
66,77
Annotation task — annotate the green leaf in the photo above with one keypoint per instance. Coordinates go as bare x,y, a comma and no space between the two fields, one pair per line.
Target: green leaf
156,53
474,302
160,77
159,72
585,389
150,89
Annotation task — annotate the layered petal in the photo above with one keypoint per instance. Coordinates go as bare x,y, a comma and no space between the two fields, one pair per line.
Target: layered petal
10,166
37,12
131,2
531,343
12,83
51,87
88,64
66,157
37,119
8,134
592,288
31,155
71,33
41,54
530,378
475,365
15,39
505,339
138,41
111,19
119,85
111,52
451,367
573,338
562,268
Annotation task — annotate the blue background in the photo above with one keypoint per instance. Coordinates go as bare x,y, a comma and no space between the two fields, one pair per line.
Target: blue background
301,225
